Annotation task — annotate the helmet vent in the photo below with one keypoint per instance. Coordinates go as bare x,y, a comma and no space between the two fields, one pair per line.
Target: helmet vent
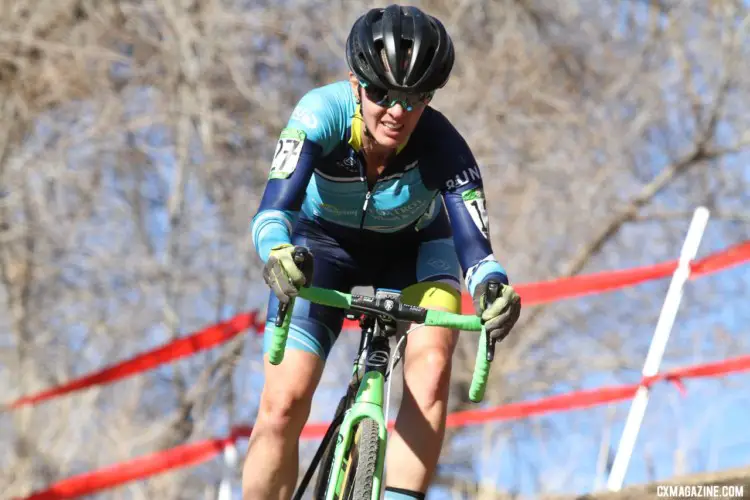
417,43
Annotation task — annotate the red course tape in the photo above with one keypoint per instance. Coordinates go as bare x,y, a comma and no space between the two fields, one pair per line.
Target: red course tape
531,294
202,451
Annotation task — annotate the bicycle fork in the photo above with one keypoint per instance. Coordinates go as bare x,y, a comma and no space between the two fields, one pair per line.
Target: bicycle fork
368,403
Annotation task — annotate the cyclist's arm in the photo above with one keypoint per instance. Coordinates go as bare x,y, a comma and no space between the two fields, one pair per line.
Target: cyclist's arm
464,196
283,196
307,136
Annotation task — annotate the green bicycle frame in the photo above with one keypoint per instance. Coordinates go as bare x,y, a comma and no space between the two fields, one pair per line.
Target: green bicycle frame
368,402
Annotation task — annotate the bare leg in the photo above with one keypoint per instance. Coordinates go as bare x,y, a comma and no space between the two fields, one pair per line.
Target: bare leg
271,466
414,445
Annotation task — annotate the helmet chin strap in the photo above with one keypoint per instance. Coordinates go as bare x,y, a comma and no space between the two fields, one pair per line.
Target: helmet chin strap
374,142
367,133
362,113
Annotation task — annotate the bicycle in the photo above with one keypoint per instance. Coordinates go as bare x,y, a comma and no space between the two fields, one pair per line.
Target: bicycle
352,467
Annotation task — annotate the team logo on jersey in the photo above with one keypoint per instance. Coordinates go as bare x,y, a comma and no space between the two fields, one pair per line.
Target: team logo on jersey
398,213
304,116
349,163
464,177
476,204
287,153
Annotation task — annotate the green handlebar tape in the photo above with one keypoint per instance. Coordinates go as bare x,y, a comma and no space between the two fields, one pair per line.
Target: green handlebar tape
280,334
326,297
469,323
481,370
317,295
445,319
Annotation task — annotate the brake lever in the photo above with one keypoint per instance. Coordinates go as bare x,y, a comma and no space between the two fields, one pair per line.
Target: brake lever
299,256
493,290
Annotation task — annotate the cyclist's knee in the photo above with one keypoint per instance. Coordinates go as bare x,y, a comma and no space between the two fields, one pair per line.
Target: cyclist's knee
283,410
428,375
288,392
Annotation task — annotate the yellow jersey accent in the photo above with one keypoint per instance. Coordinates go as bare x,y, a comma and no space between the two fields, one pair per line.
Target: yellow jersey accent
433,295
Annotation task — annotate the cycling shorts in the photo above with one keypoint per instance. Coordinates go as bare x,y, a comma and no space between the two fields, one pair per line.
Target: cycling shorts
392,261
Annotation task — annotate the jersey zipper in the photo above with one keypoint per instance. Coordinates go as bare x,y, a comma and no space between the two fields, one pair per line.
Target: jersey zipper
363,173
364,208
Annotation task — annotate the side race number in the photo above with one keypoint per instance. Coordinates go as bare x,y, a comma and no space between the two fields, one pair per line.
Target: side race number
287,153
476,204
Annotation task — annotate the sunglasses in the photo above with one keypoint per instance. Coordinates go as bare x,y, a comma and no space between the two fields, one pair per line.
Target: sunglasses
389,98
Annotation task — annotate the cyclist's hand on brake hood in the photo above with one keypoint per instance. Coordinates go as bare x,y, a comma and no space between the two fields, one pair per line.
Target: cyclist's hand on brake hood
283,275
502,314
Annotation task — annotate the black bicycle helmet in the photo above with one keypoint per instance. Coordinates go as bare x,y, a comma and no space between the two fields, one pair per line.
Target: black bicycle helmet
400,48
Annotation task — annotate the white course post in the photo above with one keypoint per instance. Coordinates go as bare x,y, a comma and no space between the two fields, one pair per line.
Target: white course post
230,462
658,344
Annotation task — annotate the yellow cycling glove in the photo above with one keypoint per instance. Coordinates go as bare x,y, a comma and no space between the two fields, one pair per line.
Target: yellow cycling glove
283,275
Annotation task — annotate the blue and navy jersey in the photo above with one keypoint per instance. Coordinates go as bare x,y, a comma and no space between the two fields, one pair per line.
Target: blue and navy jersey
433,180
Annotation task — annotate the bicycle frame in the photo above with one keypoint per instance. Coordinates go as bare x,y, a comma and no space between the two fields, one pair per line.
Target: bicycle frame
373,359
380,317
368,403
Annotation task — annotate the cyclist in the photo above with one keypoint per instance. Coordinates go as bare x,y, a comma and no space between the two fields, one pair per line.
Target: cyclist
383,191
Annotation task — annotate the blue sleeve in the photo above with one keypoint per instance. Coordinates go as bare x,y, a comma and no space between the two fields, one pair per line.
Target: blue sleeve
311,132
463,192
282,197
